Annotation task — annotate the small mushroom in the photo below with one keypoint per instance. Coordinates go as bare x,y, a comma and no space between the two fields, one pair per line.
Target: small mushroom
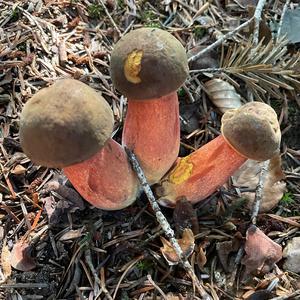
251,131
148,65
68,125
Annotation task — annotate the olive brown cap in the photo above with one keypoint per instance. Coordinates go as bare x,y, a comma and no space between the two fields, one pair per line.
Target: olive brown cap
64,124
148,63
252,130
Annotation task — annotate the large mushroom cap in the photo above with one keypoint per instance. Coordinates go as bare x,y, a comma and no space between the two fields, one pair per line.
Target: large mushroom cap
65,123
252,130
148,63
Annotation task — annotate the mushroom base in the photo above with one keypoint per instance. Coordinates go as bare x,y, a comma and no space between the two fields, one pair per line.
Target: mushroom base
106,180
199,174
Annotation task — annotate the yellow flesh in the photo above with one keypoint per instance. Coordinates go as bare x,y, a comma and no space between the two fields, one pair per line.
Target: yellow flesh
132,66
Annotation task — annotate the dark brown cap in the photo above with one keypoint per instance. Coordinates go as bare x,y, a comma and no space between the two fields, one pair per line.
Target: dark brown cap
252,130
148,63
65,123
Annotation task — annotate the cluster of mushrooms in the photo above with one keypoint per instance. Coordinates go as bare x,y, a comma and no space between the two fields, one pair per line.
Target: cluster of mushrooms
69,125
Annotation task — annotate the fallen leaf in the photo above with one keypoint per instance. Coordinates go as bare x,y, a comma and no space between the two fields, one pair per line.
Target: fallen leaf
68,193
186,244
292,254
18,170
65,200
71,235
261,252
222,94
224,249
274,188
201,255
185,216
20,257
290,25
5,261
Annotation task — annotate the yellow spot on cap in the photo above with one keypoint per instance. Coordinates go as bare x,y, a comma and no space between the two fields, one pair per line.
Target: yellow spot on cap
182,171
132,66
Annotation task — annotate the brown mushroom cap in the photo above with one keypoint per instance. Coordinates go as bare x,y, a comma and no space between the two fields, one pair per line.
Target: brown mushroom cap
148,63
252,130
65,123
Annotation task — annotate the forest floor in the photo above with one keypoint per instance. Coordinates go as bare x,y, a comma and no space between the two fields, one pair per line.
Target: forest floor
55,245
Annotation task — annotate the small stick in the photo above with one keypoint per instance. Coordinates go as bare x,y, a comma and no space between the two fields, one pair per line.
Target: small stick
290,296
164,223
220,40
259,190
281,19
110,17
257,18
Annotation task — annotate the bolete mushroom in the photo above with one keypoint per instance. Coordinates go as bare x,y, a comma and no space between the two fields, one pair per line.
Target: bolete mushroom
68,125
251,131
148,65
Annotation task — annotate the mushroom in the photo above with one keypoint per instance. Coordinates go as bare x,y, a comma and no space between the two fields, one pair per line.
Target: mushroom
68,125
148,65
249,132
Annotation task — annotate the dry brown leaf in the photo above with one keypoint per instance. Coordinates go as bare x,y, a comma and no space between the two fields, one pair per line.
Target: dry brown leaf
261,252
187,244
71,235
5,261
18,170
222,94
224,249
20,257
185,216
274,188
201,255
292,254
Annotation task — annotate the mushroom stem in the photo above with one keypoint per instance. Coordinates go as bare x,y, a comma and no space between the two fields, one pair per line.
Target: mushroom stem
152,132
199,174
106,180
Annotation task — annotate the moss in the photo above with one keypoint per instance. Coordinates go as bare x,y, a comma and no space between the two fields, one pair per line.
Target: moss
95,11
199,32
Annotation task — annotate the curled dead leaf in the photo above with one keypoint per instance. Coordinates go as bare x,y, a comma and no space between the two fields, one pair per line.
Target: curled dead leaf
20,257
261,252
71,235
224,249
185,216
5,262
292,254
222,94
186,244
274,188
201,254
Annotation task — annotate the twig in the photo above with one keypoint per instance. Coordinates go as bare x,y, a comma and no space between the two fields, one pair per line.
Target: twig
290,296
257,18
259,190
110,17
220,40
281,19
164,223
157,287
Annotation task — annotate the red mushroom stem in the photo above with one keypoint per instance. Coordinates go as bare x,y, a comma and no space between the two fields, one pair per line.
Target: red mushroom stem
199,174
156,149
106,180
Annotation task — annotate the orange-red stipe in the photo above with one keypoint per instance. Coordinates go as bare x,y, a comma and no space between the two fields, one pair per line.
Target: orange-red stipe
106,179
152,132
199,174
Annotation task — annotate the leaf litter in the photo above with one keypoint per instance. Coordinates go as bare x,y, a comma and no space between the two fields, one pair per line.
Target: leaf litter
74,250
